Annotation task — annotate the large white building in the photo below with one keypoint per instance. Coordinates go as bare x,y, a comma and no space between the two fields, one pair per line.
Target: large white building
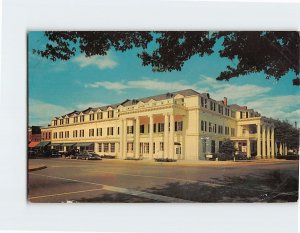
183,125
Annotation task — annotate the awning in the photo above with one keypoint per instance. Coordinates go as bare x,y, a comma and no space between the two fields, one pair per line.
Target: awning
84,143
44,143
69,144
33,144
55,144
177,143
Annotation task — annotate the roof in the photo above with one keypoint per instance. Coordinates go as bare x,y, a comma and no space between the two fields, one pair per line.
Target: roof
128,102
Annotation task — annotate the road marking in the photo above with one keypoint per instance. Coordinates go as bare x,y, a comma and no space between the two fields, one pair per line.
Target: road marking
132,192
61,194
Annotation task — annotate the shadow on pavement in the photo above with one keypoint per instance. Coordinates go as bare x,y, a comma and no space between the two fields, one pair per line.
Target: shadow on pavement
272,187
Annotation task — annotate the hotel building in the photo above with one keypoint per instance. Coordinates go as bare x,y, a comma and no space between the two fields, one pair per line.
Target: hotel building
182,125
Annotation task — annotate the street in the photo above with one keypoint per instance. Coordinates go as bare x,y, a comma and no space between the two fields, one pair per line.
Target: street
124,181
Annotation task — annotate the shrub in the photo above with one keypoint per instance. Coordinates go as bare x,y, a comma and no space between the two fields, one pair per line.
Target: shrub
164,160
224,157
227,148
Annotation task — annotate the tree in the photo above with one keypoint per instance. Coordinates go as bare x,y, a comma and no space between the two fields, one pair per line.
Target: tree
285,133
273,53
227,147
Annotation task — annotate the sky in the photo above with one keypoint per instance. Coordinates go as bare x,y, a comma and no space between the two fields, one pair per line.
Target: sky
57,88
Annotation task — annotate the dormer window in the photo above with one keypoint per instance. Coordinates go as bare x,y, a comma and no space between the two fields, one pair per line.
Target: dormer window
75,119
61,121
55,122
82,118
110,114
67,121
91,117
99,115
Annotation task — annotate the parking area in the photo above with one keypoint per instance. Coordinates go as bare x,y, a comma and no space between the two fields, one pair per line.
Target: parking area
111,180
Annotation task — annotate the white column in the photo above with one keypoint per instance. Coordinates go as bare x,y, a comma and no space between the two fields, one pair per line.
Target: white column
248,148
166,136
268,142
280,149
263,141
258,143
172,135
137,137
151,136
125,139
272,143
121,150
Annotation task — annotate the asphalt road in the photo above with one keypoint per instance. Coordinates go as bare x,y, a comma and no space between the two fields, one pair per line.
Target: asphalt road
67,180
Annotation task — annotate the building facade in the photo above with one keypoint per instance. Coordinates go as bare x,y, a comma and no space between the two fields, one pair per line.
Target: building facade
183,125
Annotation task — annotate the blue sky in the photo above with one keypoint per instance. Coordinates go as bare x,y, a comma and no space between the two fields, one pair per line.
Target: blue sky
56,88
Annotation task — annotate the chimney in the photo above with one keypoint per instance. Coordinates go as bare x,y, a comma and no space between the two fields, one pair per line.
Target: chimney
225,101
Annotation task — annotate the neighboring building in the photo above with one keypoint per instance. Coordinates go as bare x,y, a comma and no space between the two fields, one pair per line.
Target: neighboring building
34,136
182,125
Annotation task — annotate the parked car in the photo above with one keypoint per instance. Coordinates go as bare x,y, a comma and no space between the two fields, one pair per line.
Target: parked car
53,153
32,154
239,155
88,155
71,154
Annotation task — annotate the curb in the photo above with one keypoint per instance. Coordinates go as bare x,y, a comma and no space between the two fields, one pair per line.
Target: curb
36,168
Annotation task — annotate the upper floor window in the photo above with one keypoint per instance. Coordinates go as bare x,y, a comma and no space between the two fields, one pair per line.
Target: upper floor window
75,119
110,131
142,128
92,117
99,132
91,132
55,122
178,126
82,118
61,121
110,114
67,121
161,127
99,115
129,129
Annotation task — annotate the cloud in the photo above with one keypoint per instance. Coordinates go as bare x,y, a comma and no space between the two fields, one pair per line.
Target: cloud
146,84
282,107
41,113
102,62
219,89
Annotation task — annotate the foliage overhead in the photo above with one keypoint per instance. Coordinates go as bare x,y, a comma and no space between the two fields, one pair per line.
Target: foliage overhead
273,53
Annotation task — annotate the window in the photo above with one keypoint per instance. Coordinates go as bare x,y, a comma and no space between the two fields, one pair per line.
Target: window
110,131
61,134
91,132
154,128
178,125
66,134
92,117
241,115
55,122
99,115
112,147
81,118
161,146
74,133
220,109
61,121
129,129
220,129
75,119
211,105
153,147
110,114
232,131
129,147
146,147
100,147
161,127
67,121
203,145
178,150
209,127
99,132
105,147
215,128
202,125
226,130
55,135
220,144
213,146
81,133
118,130
233,114
142,128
